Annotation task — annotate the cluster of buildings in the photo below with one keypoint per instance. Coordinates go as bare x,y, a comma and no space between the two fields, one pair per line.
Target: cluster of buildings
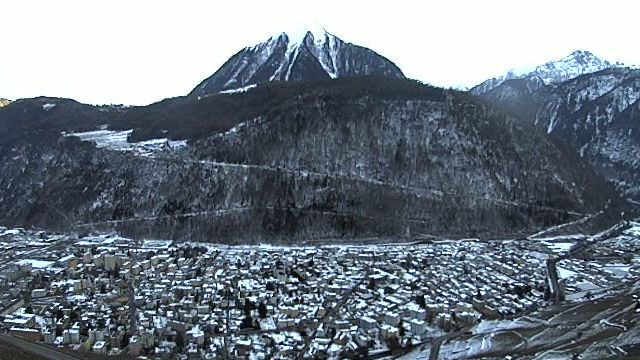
608,263
160,300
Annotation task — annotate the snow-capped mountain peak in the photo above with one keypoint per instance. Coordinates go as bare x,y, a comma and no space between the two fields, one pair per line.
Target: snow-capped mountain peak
573,65
315,39
590,103
299,34
312,54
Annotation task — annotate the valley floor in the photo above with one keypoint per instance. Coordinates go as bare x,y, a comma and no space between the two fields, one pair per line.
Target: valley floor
536,297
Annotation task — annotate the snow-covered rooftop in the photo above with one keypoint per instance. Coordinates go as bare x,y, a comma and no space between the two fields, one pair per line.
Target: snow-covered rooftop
35,264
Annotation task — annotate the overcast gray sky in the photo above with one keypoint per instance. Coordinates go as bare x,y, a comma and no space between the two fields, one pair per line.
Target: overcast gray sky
137,52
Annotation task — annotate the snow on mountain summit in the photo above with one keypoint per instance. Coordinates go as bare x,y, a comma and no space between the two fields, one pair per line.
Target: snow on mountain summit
296,35
573,65
312,54
322,44
577,63
589,103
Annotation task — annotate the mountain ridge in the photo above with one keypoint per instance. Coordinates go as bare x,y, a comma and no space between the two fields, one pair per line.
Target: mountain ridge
593,112
316,55
577,63
336,155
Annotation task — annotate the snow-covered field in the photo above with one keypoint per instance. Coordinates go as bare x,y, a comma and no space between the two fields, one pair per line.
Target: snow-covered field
117,140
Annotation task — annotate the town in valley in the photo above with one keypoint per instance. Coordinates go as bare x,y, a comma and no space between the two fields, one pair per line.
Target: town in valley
159,299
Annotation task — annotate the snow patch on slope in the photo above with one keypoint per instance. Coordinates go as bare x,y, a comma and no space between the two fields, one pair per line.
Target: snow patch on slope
326,48
238,90
261,53
48,107
117,141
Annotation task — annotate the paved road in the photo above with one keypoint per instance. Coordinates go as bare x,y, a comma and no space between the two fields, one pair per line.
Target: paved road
38,349
552,279
562,226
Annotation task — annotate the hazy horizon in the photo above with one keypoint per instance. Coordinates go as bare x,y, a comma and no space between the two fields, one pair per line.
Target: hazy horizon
143,52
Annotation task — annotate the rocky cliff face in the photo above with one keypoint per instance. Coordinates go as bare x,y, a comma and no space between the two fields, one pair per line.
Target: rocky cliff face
346,159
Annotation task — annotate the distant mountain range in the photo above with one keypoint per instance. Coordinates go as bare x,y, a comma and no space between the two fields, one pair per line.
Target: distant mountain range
308,56
590,103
